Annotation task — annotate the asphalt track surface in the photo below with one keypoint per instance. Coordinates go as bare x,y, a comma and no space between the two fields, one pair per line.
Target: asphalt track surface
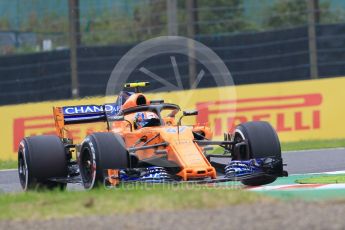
298,162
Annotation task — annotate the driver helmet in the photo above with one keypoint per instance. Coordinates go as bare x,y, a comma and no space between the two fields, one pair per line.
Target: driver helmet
141,119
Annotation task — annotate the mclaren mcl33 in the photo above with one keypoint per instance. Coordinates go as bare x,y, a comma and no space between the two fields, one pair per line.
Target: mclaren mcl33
143,141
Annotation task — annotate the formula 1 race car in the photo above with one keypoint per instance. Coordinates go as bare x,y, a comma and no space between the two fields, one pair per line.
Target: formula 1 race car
145,142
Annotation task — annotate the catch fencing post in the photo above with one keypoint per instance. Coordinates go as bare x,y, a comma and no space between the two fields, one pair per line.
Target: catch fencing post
172,17
192,20
74,41
312,16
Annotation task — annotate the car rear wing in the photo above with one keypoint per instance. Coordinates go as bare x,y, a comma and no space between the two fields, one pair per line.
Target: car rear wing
82,114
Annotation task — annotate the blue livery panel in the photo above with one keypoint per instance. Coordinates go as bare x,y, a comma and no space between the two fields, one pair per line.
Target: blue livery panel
93,113
88,113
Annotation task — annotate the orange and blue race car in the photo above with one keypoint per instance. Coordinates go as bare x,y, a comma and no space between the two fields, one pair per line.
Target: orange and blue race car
144,141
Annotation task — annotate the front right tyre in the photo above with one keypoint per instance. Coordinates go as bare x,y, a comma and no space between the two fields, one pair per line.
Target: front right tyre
263,142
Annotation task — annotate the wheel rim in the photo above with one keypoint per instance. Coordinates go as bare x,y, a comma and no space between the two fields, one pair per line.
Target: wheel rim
22,171
88,168
238,136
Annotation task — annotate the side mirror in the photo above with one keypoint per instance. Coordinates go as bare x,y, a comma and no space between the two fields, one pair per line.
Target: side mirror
159,101
113,118
190,113
186,114
116,118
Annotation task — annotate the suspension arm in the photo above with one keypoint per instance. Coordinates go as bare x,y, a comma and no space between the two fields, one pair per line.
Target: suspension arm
203,142
148,147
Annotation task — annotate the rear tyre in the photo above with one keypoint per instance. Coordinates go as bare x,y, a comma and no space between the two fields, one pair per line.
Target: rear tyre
99,152
40,159
263,142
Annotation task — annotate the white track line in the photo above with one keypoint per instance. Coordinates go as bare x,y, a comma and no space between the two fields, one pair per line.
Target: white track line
313,150
317,173
298,187
7,170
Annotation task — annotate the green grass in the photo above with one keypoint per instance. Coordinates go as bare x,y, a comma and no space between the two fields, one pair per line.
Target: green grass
129,199
8,164
312,144
304,145
310,195
328,179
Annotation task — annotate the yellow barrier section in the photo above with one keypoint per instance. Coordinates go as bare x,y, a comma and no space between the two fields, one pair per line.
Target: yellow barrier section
299,110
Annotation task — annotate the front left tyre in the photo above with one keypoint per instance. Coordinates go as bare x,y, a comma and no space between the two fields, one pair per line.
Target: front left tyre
41,159
100,152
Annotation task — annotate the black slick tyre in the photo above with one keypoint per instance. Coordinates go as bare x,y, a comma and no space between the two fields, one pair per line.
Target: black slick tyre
100,152
263,142
40,160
